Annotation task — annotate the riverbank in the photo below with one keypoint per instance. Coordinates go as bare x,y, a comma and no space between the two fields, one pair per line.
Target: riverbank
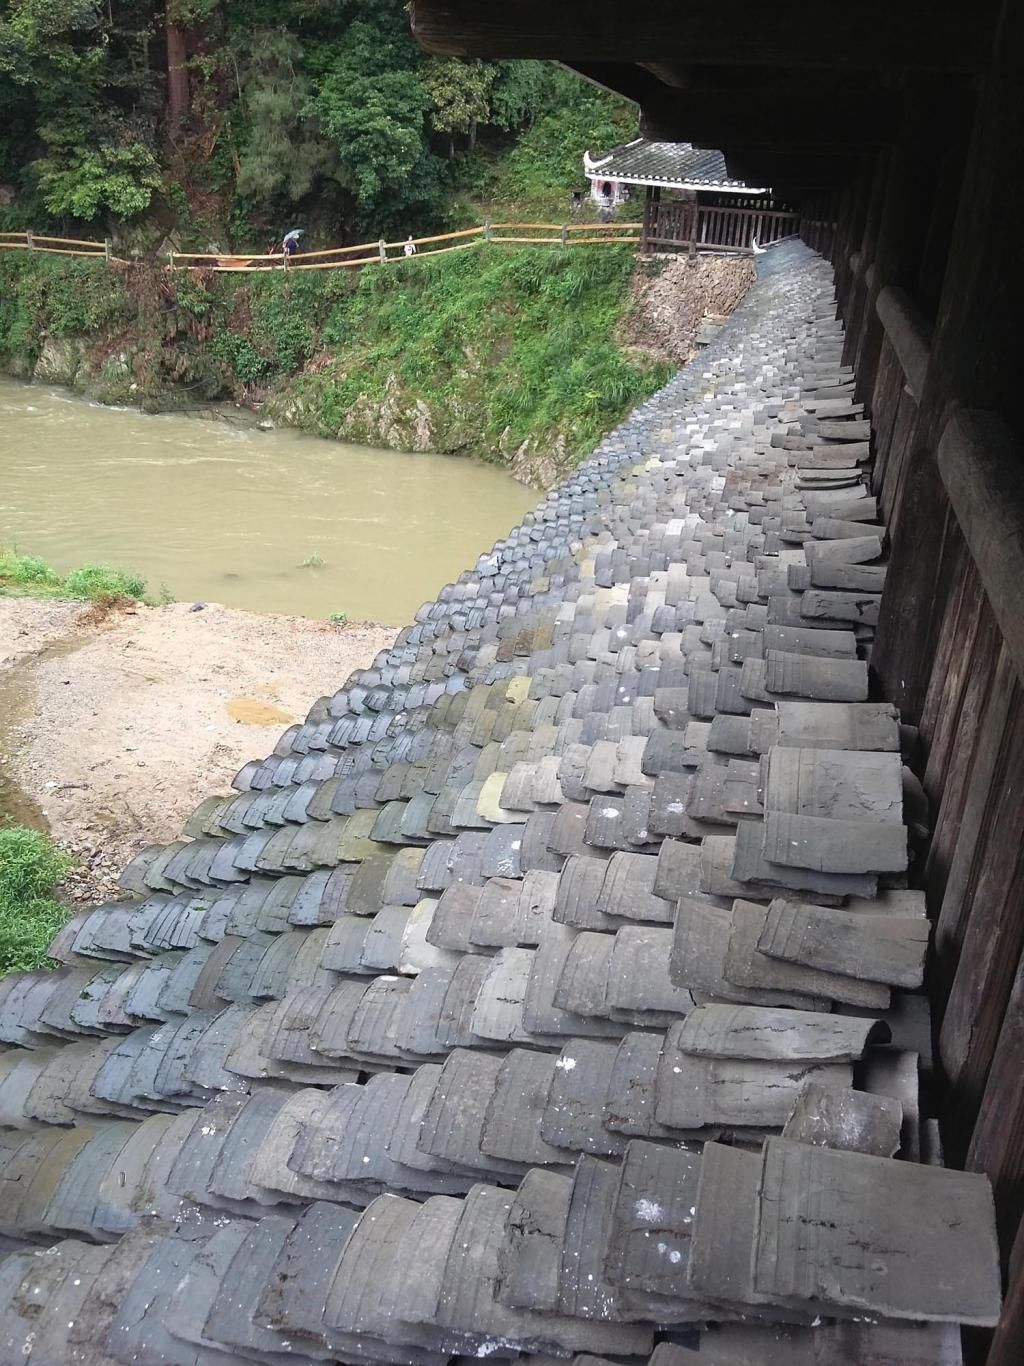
113,727
524,357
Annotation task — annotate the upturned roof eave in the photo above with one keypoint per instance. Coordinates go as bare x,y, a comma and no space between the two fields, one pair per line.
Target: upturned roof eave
608,172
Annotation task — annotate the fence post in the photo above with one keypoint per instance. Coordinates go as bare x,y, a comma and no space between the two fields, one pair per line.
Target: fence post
487,230
170,258
382,248
30,240
565,236
106,248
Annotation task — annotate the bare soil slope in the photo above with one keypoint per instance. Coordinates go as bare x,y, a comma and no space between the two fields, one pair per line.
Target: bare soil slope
116,729
669,307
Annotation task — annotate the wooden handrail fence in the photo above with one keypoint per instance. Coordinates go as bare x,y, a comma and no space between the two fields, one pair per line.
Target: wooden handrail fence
712,228
678,225
54,246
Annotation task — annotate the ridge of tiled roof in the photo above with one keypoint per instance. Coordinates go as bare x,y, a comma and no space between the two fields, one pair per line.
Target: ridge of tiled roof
554,989
669,163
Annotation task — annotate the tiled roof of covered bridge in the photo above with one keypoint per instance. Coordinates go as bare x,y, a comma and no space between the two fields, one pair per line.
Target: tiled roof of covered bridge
673,164
553,990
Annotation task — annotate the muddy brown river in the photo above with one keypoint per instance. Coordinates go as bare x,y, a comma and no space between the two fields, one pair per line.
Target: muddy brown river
219,511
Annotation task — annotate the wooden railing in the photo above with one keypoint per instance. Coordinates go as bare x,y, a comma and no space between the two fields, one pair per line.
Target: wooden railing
819,222
679,226
711,228
358,254
55,246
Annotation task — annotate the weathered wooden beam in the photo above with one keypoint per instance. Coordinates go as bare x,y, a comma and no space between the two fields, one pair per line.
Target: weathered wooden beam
911,35
975,353
790,118
909,335
992,943
997,1144
634,83
925,560
669,73
793,174
983,473
1004,1348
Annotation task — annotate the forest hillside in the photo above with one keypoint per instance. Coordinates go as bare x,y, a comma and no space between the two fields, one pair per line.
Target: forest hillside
225,122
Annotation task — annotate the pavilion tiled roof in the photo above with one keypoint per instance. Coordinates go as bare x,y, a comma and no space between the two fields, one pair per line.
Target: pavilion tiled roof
675,165
554,988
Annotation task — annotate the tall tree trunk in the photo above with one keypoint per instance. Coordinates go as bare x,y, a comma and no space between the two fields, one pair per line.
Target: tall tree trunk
177,75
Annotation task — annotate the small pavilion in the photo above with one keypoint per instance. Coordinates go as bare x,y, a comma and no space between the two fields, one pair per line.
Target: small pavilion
690,199
657,166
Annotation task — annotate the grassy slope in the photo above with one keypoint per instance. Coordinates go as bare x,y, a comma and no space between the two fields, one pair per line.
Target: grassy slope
478,351
499,347
30,867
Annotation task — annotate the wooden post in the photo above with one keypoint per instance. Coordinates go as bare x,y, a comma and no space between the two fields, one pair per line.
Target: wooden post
170,259
565,236
30,240
382,248
910,186
487,230
971,362
106,248
177,73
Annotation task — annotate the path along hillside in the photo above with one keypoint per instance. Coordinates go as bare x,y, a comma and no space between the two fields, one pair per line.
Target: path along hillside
554,989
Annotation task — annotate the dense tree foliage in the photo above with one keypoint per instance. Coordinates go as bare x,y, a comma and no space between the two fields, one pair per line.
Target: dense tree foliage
224,118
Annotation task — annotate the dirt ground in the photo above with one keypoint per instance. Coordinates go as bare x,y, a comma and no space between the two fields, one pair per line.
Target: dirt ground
113,731
669,307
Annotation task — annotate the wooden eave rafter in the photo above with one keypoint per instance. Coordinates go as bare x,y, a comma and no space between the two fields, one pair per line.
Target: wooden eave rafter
909,35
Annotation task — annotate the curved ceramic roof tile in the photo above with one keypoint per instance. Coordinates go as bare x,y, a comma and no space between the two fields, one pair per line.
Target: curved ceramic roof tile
390,1058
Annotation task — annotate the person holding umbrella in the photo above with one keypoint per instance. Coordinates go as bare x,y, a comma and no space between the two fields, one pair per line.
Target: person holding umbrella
290,243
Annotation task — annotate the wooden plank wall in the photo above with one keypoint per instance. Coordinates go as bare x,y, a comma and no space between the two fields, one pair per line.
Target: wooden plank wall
683,224
960,683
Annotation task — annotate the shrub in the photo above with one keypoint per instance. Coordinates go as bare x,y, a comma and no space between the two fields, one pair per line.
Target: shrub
30,868
99,581
29,576
26,569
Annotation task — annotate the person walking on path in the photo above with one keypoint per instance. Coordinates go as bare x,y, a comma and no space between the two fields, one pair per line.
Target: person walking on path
410,247
290,243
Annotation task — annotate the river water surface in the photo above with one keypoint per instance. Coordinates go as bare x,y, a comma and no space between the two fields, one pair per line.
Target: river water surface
270,521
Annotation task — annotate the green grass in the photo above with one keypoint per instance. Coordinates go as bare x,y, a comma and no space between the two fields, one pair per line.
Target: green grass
31,866
54,296
485,350
501,344
28,576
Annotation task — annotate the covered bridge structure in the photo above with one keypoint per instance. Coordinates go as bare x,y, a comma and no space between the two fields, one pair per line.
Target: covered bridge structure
690,200
897,130
611,972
